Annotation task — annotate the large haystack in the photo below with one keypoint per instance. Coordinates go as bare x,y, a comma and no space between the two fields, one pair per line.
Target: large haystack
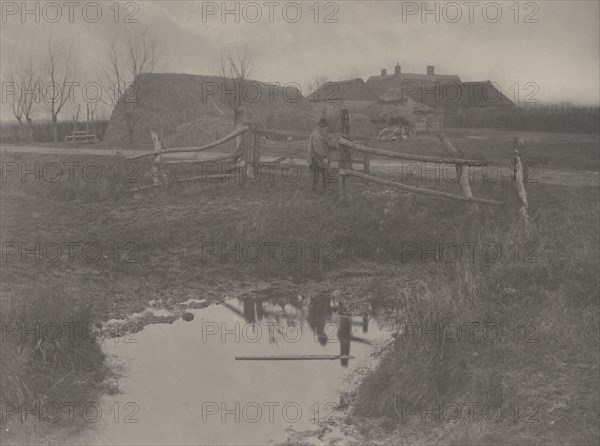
164,101
199,132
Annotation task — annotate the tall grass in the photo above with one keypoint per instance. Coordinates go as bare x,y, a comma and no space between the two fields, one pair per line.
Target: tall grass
545,362
45,368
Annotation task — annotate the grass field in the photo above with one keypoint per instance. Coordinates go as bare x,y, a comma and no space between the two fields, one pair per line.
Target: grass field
158,247
547,150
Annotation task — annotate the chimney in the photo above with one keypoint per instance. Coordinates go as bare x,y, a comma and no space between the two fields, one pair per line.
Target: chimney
397,69
383,72
430,69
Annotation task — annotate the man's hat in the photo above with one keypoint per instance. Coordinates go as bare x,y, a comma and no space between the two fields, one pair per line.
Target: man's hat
323,123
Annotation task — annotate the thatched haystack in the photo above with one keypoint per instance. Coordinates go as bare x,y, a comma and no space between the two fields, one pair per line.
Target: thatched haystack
199,132
164,101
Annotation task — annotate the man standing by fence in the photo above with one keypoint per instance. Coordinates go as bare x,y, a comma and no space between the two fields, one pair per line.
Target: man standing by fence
319,146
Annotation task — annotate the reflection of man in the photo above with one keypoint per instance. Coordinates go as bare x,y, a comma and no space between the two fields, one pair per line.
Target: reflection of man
319,146
344,333
319,313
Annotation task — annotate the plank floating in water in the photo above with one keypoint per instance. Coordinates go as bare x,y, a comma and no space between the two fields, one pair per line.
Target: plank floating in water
290,357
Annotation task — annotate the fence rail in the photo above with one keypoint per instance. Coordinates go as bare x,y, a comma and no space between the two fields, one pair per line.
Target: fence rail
305,135
211,145
410,156
435,193
346,168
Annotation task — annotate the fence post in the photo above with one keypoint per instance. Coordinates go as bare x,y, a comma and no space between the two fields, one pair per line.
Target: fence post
345,161
463,180
156,165
250,151
519,179
366,163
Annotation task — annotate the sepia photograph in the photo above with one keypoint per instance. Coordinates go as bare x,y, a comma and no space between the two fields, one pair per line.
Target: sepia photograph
300,223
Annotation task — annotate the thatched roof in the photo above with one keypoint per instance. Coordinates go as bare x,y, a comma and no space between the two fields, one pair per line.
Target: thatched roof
483,94
382,84
165,101
349,90
449,88
395,98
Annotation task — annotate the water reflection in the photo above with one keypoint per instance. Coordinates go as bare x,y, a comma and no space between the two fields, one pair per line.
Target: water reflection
319,314
344,335
176,372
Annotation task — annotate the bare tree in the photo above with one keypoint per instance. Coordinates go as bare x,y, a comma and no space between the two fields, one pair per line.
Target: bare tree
127,59
16,101
235,68
61,72
24,80
30,90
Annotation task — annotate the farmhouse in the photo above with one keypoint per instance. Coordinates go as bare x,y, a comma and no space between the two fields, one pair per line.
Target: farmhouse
391,110
481,99
453,99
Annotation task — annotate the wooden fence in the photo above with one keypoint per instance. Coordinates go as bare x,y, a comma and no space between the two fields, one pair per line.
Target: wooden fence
248,149
245,152
348,147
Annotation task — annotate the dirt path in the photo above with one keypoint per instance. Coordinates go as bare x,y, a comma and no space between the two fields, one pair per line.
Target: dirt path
410,171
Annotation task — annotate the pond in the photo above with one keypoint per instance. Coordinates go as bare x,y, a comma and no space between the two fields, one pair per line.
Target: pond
181,382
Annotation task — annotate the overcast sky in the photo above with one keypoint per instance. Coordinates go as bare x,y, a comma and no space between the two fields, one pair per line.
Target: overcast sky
559,53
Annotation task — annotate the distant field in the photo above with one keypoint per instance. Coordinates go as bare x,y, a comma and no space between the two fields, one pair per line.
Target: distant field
548,150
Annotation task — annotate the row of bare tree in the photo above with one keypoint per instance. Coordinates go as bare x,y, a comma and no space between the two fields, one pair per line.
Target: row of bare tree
47,86
34,88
